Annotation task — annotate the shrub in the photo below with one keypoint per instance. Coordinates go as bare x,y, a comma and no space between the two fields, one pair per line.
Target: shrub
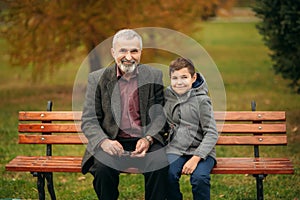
280,28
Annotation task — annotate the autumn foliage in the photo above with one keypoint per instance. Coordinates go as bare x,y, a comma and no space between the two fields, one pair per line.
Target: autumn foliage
43,34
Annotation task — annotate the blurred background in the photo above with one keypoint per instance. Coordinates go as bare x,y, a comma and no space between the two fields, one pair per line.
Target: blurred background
254,44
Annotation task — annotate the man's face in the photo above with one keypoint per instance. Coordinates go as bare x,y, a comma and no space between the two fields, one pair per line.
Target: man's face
127,54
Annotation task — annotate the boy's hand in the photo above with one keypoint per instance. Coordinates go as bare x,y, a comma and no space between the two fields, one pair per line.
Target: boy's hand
191,165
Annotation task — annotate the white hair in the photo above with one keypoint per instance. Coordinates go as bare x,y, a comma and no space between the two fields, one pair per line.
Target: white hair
127,34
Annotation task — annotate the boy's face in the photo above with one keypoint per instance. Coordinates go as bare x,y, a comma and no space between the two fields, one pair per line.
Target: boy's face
182,80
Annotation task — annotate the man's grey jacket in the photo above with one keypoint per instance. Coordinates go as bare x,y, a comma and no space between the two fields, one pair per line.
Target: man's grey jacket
102,108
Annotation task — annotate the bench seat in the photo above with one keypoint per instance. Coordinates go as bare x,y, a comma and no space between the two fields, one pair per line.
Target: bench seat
224,165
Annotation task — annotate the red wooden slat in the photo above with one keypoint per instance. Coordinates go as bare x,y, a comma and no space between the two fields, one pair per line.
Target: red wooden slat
251,128
251,116
52,139
50,116
253,140
253,166
49,128
225,128
223,140
219,115
224,166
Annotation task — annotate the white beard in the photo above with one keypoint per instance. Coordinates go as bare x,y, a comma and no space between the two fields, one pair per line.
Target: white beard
127,68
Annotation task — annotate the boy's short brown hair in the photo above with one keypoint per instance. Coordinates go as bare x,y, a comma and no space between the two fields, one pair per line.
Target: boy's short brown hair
181,63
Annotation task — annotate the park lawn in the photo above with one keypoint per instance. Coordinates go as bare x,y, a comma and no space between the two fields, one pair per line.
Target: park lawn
246,69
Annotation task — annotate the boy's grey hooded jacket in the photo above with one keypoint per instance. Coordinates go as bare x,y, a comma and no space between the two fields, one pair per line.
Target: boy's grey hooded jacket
191,119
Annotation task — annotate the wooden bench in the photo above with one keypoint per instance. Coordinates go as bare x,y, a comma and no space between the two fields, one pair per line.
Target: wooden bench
250,128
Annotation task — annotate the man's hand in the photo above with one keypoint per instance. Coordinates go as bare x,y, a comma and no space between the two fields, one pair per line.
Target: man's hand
191,165
141,148
112,147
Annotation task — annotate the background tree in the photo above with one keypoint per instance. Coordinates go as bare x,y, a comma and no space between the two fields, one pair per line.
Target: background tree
280,28
44,34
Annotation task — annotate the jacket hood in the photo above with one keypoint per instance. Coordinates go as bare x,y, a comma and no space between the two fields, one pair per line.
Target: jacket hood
200,86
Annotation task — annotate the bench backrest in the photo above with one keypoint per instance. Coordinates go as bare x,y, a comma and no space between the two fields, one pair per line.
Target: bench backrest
236,127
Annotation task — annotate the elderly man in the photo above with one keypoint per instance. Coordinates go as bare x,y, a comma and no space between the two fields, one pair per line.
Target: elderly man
123,121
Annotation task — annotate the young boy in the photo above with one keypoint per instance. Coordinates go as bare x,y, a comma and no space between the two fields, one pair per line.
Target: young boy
193,132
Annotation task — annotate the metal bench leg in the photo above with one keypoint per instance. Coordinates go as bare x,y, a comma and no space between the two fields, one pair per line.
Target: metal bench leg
49,178
41,184
259,186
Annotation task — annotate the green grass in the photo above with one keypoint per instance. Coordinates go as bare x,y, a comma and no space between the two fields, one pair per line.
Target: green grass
247,72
